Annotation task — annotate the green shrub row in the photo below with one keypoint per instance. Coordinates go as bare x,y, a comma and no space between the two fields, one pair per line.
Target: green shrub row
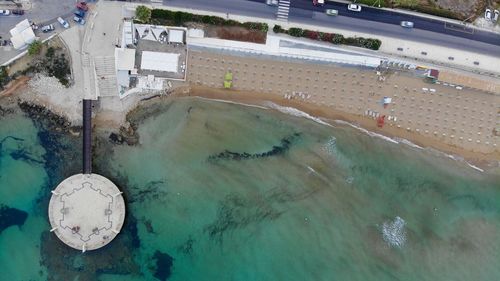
368,43
180,18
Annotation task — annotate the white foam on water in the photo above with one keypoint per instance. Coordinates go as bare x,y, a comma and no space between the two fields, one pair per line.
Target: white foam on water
311,169
454,157
295,112
330,146
409,143
370,133
233,102
394,232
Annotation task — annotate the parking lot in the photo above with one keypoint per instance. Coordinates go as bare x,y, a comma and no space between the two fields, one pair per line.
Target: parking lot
41,12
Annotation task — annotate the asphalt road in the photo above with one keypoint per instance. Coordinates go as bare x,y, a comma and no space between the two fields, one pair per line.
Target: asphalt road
369,20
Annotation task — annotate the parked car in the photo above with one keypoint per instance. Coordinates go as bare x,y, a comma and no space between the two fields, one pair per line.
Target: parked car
79,20
47,28
331,12
18,12
354,8
407,24
79,13
272,2
487,14
495,17
83,6
318,2
4,12
64,23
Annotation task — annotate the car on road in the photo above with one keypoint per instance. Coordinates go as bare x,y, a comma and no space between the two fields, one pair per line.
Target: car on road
83,6
318,2
407,24
332,12
47,28
64,23
18,12
79,20
4,12
495,17
354,7
487,14
272,2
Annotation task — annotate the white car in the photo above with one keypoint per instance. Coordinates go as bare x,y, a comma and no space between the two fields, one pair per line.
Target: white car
272,2
487,14
407,24
497,13
4,12
64,23
354,8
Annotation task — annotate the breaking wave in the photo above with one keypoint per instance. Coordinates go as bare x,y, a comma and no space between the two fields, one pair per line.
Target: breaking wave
394,232
295,112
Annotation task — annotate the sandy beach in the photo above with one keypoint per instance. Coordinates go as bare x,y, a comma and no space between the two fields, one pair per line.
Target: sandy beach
453,120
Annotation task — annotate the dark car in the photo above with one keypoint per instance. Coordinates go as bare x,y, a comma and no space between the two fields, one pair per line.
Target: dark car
17,12
79,13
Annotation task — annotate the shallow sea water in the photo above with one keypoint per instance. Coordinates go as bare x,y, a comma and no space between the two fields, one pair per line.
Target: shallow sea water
219,191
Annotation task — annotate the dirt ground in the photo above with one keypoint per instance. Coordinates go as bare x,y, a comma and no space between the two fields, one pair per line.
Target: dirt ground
235,33
464,8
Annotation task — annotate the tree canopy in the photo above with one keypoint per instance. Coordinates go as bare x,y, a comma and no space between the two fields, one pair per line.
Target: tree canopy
143,13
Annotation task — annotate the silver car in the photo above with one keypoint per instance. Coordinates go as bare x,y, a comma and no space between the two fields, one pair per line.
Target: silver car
407,24
487,14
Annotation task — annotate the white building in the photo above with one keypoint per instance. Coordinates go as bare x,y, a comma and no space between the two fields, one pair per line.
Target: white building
22,35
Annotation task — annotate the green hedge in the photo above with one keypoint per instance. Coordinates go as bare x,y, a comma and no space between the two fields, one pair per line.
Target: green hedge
368,43
160,16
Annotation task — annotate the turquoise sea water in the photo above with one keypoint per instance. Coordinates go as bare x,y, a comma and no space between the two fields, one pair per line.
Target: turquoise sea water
219,191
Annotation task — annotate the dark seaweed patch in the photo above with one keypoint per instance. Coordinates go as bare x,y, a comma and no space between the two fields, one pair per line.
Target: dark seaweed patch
187,246
153,190
11,216
236,212
164,264
276,150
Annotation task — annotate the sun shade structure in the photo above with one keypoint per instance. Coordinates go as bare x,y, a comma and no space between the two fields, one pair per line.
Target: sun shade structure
175,36
159,61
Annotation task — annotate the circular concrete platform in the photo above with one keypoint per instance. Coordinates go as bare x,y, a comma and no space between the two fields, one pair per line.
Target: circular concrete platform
86,211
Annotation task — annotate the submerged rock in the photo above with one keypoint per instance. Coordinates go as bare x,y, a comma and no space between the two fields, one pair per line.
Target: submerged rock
11,216
164,264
